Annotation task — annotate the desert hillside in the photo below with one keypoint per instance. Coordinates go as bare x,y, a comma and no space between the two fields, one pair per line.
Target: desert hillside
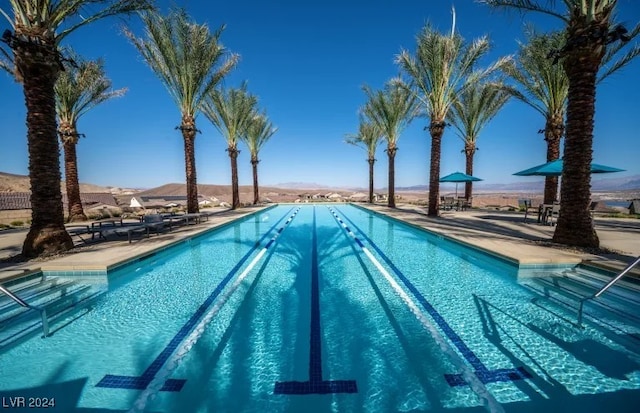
482,197
20,183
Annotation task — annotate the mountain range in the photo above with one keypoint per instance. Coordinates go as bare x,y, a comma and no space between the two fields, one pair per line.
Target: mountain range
20,183
603,184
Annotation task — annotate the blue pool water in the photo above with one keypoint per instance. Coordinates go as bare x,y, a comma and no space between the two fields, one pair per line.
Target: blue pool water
344,311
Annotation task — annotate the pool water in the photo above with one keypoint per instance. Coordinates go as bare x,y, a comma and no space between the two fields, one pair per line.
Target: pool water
321,308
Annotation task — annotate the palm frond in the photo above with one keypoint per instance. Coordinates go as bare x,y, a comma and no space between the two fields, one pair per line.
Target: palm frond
542,85
390,109
57,19
80,87
368,137
231,112
443,66
188,59
476,106
258,132
610,68
529,5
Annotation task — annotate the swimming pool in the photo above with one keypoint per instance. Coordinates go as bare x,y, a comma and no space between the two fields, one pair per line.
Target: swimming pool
321,308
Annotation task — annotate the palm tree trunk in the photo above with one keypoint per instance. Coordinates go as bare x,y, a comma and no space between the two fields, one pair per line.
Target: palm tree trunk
39,70
575,225
188,128
553,131
235,194
47,234
371,162
254,167
469,152
436,129
391,152
76,213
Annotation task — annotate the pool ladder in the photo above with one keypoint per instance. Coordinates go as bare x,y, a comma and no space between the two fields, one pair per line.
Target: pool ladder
605,288
22,303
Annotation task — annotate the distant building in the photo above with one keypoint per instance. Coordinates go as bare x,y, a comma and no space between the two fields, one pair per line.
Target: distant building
16,206
21,200
166,201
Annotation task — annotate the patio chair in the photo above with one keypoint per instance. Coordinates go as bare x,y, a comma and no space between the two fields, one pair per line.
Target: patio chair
552,214
464,203
526,205
448,203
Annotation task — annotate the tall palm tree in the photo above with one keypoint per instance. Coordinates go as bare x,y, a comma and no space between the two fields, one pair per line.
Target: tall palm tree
545,87
473,109
391,110
589,31
80,87
443,66
368,137
231,112
260,130
190,61
37,29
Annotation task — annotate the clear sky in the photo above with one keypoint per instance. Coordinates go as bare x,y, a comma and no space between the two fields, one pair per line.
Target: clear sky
307,60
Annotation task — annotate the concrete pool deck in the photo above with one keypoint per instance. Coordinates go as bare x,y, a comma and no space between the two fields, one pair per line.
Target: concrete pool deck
499,232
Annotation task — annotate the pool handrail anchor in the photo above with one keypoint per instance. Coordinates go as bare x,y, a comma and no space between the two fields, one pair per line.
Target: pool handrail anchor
22,303
605,288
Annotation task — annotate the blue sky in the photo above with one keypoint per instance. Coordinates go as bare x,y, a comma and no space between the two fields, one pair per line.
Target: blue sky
307,61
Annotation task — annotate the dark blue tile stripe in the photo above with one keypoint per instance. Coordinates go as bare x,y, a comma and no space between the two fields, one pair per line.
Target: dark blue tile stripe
141,382
315,348
315,385
484,374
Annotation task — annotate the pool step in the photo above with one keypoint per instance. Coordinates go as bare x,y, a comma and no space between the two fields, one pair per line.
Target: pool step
63,299
36,295
618,307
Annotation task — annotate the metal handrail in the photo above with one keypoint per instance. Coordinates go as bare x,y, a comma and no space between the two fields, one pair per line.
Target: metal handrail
606,287
22,303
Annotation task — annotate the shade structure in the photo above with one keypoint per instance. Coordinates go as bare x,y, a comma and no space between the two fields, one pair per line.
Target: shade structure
554,168
459,177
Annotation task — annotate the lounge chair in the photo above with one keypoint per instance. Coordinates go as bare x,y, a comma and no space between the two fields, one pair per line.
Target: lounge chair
154,222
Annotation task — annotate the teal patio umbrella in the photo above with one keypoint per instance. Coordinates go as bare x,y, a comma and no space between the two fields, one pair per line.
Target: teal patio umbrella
459,177
554,168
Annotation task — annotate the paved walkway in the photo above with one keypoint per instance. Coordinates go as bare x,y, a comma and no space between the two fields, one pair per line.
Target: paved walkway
502,233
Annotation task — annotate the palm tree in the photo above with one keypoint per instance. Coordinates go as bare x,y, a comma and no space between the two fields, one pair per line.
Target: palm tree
188,59
443,66
390,110
231,112
473,109
257,134
37,29
368,137
80,87
589,31
545,87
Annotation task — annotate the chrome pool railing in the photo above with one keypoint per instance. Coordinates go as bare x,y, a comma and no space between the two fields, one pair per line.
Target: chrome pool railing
22,303
605,288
